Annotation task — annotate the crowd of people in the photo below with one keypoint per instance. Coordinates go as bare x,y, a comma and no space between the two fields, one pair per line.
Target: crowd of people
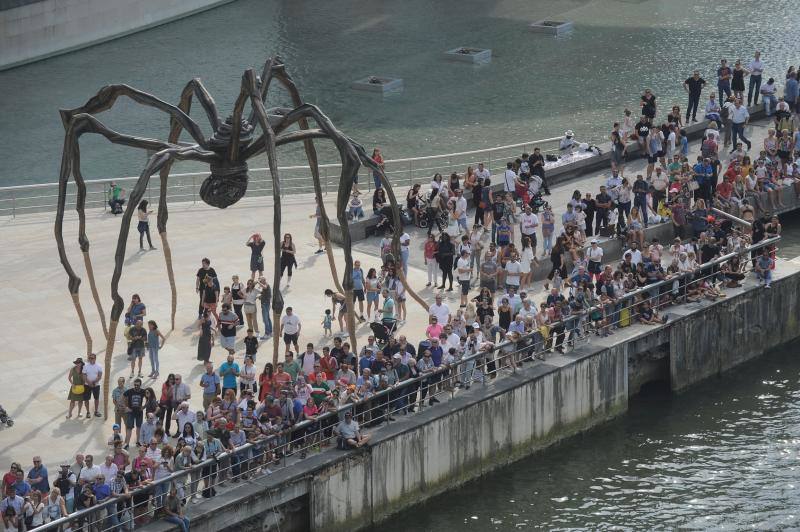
503,318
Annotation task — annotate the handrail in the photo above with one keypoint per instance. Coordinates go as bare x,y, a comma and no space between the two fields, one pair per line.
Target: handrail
500,347
301,167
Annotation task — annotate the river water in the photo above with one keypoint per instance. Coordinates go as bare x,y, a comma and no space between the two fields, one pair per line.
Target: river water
535,87
723,456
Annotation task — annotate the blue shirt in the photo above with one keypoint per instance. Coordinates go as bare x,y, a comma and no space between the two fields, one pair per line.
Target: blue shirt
229,380
517,327
436,355
358,279
101,491
211,382
23,488
36,472
790,90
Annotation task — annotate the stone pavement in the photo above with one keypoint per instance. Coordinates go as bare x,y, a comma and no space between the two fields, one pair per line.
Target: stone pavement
37,353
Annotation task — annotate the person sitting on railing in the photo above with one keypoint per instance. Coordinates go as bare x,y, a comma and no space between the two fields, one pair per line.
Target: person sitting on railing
173,507
116,195
349,433
649,316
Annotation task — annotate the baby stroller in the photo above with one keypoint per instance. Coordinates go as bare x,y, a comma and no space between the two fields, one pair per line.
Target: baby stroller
383,331
5,419
537,203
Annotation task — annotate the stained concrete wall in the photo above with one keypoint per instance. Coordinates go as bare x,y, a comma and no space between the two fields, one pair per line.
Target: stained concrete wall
733,331
470,436
41,29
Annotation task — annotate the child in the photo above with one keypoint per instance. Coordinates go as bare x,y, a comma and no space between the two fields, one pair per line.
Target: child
356,206
250,345
153,335
327,320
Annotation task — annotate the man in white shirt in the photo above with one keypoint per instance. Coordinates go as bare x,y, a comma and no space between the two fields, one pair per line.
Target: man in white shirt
739,117
509,179
290,329
482,172
405,247
513,272
527,226
184,416
464,274
768,91
108,469
93,374
146,433
440,310
528,311
636,254
89,471
755,68
453,340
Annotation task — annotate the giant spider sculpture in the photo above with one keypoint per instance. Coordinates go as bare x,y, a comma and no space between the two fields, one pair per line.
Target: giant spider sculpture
233,143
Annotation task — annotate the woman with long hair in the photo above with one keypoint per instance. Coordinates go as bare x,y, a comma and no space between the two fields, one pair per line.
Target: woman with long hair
372,286
412,199
142,215
527,258
266,382
377,158
250,309
444,256
288,258
167,402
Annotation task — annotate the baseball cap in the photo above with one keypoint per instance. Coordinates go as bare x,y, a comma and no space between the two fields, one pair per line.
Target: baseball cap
115,426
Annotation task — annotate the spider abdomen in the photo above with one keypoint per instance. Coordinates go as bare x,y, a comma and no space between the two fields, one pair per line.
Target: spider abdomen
225,186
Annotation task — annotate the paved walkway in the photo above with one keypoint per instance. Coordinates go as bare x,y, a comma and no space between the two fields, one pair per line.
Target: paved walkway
43,335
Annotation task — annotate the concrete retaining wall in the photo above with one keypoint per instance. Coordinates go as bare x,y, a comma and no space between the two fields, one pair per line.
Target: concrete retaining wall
744,327
38,30
459,442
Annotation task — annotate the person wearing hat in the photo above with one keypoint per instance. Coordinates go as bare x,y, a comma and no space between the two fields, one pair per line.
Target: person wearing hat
77,387
568,143
11,509
349,433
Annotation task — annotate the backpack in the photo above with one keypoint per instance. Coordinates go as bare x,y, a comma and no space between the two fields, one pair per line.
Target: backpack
707,148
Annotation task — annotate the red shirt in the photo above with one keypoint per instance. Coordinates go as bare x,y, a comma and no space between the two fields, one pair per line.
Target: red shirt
329,366
725,189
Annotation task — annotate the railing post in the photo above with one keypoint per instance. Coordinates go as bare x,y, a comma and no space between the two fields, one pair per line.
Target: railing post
410,174
194,190
325,173
13,205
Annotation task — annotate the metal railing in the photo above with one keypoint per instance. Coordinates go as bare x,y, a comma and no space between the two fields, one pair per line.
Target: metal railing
184,187
274,451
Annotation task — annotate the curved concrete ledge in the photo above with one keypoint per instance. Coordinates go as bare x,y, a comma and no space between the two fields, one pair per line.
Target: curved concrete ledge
31,31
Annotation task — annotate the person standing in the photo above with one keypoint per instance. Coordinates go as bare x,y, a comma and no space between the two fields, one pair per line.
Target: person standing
724,79
210,383
739,119
237,293
377,158
737,83
228,321
288,258
256,245
509,179
464,275
756,69
790,91
536,165
290,329
92,375
206,339
358,283
134,413
143,226
265,297
694,88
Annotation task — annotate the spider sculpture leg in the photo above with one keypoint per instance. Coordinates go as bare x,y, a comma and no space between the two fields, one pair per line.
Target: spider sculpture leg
260,114
350,165
154,164
193,88
275,69
398,225
76,126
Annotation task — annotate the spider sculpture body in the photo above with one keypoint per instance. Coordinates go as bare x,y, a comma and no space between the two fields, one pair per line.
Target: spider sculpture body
234,142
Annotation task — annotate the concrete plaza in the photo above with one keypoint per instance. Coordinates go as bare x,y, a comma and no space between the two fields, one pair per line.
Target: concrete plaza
38,352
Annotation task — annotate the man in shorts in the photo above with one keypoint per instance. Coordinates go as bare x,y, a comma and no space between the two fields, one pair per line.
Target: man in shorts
228,320
464,274
138,335
290,329
358,288
93,373
134,411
